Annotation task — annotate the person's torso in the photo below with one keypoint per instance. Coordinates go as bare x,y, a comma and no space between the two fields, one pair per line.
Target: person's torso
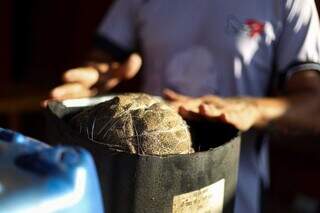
208,46
213,47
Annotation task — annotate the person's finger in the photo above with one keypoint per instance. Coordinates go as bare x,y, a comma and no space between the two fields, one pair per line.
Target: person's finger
102,67
242,120
111,83
211,112
131,67
232,118
71,90
188,114
118,72
218,102
87,76
171,95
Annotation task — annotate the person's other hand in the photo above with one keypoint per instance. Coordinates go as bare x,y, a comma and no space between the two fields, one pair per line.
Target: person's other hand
88,81
239,112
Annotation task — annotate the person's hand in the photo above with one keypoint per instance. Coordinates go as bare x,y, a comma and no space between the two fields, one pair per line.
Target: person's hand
239,112
88,81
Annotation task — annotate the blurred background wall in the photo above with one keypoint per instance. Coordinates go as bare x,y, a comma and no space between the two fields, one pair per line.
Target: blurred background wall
40,39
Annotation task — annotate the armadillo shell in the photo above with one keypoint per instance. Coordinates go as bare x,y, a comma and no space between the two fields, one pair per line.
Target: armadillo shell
135,123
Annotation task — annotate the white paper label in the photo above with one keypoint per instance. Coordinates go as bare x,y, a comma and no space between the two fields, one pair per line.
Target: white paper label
206,200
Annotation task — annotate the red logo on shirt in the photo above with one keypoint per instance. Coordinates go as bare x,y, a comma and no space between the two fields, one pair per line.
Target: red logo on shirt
251,27
254,27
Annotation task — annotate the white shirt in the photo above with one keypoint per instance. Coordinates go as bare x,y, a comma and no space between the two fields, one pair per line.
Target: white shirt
223,47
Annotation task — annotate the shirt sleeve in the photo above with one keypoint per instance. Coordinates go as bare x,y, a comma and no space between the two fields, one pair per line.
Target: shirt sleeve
299,44
118,27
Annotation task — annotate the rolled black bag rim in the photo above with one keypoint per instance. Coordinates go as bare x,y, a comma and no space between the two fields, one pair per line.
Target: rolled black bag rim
59,110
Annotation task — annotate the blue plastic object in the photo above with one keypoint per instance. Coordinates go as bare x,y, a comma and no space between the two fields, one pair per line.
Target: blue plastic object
37,178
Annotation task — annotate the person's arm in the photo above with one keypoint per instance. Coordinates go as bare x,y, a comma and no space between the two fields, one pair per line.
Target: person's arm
298,109
303,105
297,60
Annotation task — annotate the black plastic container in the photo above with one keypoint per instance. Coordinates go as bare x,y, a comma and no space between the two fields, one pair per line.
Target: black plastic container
201,182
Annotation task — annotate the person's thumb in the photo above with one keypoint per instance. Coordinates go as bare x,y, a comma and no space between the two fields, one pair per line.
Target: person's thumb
131,67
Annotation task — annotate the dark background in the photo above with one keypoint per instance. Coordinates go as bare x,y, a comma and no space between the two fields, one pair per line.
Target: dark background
40,39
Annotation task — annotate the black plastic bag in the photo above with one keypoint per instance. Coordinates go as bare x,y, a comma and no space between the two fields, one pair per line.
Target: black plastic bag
204,181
